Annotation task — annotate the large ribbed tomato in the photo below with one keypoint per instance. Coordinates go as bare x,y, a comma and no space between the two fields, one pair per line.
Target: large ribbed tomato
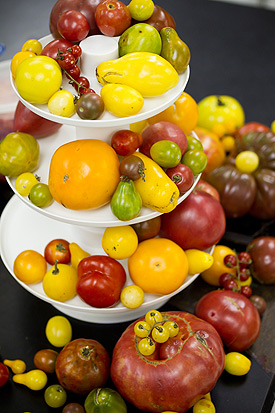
84,174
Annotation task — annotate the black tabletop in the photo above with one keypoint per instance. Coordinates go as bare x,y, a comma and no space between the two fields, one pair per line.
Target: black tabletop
232,49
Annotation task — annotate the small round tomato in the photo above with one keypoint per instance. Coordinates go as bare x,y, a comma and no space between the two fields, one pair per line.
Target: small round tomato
30,267
62,104
18,58
247,161
55,395
259,303
103,400
90,106
146,346
132,296
193,143
57,250
40,195
4,374
196,160
142,329
141,10
125,142
112,17
73,408
153,316
147,229
212,275
73,25
160,334
119,242
132,167
32,45
182,176
24,183
45,360
166,153
237,364
58,331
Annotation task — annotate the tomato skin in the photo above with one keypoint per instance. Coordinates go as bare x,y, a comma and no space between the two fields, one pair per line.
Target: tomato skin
4,374
100,280
57,249
233,315
182,176
51,49
55,396
30,267
45,360
58,331
104,401
125,142
73,25
112,17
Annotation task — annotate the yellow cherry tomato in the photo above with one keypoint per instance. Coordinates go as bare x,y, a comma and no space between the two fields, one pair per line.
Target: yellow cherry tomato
247,161
24,183
38,78
132,296
58,331
17,366
146,346
141,10
121,100
62,104
18,58
212,275
32,45
142,328
30,267
237,364
204,406
59,283
198,261
119,242
33,379
229,143
153,316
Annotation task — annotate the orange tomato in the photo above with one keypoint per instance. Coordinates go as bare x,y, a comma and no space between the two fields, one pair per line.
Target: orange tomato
30,267
184,113
212,275
158,266
18,58
84,174
212,147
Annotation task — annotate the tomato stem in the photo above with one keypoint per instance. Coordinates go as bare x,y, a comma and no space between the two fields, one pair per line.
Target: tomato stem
55,270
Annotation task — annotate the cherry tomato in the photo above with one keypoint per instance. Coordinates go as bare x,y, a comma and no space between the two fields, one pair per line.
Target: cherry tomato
125,142
193,143
172,328
40,195
230,261
259,303
166,153
224,278
196,160
76,50
55,395
30,267
73,25
141,10
73,73
58,331
112,17
32,45
204,406
132,296
182,176
90,106
247,161
17,366
246,290
152,317
57,250
244,259
33,379
237,364
132,167
73,408
147,229
160,334
45,360
142,329
61,103
230,284
24,183
53,48
119,242
146,346
66,60
4,374
81,83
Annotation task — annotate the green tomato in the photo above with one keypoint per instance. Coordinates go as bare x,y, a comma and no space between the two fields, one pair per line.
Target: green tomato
141,10
19,152
24,183
166,153
55,395
40,195
140,37
193,143
104,400
126,201
196,160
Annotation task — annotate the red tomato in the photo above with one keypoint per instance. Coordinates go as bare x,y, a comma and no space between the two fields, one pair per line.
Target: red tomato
112,17
182,176
73,25
125,142
262,252
251,127
51,49
209,189
101,279
4,374
57,250
233,315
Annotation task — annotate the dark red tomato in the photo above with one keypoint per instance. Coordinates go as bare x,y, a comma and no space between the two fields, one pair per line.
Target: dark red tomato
101,279
147,229
230,261
4,374
230,284
246,290
89,105
225,277
57,250
132,167
76,51
74,72
73,26
66,60
233,315
112,17
125,142
52,48
262,252
45,360
244,259
259,303
81,83
73,408
182,176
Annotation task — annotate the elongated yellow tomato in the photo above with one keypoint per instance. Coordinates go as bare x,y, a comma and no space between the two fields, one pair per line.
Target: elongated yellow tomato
198,261
237,364
121,100
157,190
147,72
33,379
212,275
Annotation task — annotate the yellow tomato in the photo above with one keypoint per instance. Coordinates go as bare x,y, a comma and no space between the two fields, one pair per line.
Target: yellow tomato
198,261
61,103
38,78
237,364
272,127
18,58
32,45
77,254
204,406
247,161
121,100
139,126
132,296
158,266
17,366
24,183
119,242
59,283
184,113
30,267
33,379
212,275
58,331
141,10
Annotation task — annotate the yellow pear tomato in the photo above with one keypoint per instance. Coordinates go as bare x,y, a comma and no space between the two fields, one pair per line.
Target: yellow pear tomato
198,261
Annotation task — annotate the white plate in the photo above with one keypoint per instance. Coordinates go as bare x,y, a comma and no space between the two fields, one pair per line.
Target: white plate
21,228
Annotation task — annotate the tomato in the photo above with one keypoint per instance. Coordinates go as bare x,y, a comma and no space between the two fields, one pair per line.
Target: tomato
193,143
57,250
262,252
247,161
100,280
18,58
90,106
158,266
73,25
132,296
212,275
82,365
19,152
233,315
40,195
184,113
259,303
141,9
112,17
53,48
119,242
121,100
204,186
198,261
132,167
212,147
250,127
58,331
55,396
73,408
68,184
104,401
4,374
32,45
17,366
24,183
147,229
61,103
204,406
38,78
30,267
77,254
126,201
125,142
166,153
196,160
237,364
45,359
146,346
33,379
59,283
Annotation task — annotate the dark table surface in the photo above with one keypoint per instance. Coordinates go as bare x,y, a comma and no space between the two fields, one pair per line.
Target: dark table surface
232,50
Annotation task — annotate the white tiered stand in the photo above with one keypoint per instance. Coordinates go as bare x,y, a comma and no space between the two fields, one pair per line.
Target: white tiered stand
25,226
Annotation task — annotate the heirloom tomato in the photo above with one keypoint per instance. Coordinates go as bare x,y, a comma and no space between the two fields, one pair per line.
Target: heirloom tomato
57,250
17,366
104,400
262,252
160,18
59,283
24,183
236,363
182,176
119,242
55,396
73,25
141,10
132,296
112,17
30,267
61,103
212,147
4,374
52,49
33,379
18,58
73,408
40,195
58,331
125,142
45,360
212,275
147,229
166,153
32,45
